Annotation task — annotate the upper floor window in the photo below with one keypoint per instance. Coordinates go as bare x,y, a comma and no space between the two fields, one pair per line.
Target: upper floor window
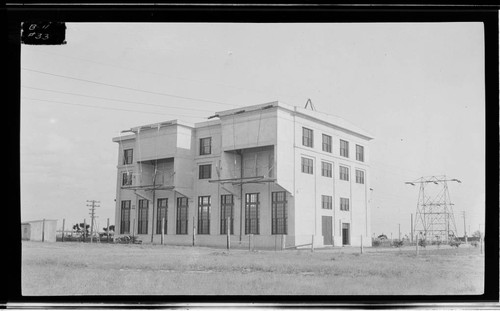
344,148
127,179
326,169
360,153
326,202
327,143
205,171
307,137
360,177
344,173
307,166
127,156
344,204
205,145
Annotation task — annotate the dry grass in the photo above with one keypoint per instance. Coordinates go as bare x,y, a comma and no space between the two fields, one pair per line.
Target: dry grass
107,269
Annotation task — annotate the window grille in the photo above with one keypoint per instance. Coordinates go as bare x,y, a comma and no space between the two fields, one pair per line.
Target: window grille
252,213
204,215
227,206
279,213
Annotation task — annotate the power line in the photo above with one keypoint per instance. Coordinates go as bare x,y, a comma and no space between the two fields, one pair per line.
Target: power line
112,99
171,77
108,108
129,88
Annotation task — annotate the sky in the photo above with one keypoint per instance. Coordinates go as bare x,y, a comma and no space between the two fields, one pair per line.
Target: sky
417,87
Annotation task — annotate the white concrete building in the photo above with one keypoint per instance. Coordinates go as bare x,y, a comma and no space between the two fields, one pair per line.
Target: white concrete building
273,169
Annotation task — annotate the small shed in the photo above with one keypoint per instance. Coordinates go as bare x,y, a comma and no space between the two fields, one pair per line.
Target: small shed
39,230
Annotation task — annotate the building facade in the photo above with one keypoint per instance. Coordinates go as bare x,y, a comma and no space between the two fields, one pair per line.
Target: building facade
276,172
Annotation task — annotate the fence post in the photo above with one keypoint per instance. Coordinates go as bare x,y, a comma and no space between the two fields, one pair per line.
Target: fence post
416,243
481,241
43,230
162,229
228,233
133,228
63,231
107,230
361,244
312,243
283,241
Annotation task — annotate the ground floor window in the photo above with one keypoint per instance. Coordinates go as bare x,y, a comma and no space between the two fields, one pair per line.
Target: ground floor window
182,216
204,215
226,211
142,222
279,213
252,213
125,217
162,210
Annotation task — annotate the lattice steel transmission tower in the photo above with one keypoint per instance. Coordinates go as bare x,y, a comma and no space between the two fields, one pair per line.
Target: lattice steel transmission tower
434,216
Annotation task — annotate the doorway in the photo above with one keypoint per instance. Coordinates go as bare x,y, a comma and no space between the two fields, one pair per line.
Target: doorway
346,234
326,229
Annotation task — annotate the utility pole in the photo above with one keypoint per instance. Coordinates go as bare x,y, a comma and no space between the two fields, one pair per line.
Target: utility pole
92,205
465,231
411,228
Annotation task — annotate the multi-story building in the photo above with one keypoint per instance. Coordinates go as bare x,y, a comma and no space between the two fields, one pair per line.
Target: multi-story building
266,170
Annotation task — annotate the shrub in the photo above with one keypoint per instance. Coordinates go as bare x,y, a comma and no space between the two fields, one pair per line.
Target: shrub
455,243
376,242
422,243
398,243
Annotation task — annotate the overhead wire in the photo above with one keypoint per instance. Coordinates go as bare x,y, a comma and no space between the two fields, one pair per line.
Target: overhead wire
109,108
116,100
288,95
129,88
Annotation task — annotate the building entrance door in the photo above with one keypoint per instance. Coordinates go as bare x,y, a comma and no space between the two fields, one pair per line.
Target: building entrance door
326,228
345,234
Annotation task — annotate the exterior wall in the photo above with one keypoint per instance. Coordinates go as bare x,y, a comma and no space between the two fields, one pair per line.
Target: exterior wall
270,142
39,230
148,144
310,188
249,130
285,158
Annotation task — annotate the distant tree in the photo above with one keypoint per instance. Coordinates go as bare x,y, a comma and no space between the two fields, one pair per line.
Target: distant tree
382,237
111,228
82,228
477,234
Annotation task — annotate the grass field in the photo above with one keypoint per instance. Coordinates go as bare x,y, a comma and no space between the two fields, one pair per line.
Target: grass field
117,269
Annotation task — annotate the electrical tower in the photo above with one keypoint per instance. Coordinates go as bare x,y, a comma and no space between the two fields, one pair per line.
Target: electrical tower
92,206
434,216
